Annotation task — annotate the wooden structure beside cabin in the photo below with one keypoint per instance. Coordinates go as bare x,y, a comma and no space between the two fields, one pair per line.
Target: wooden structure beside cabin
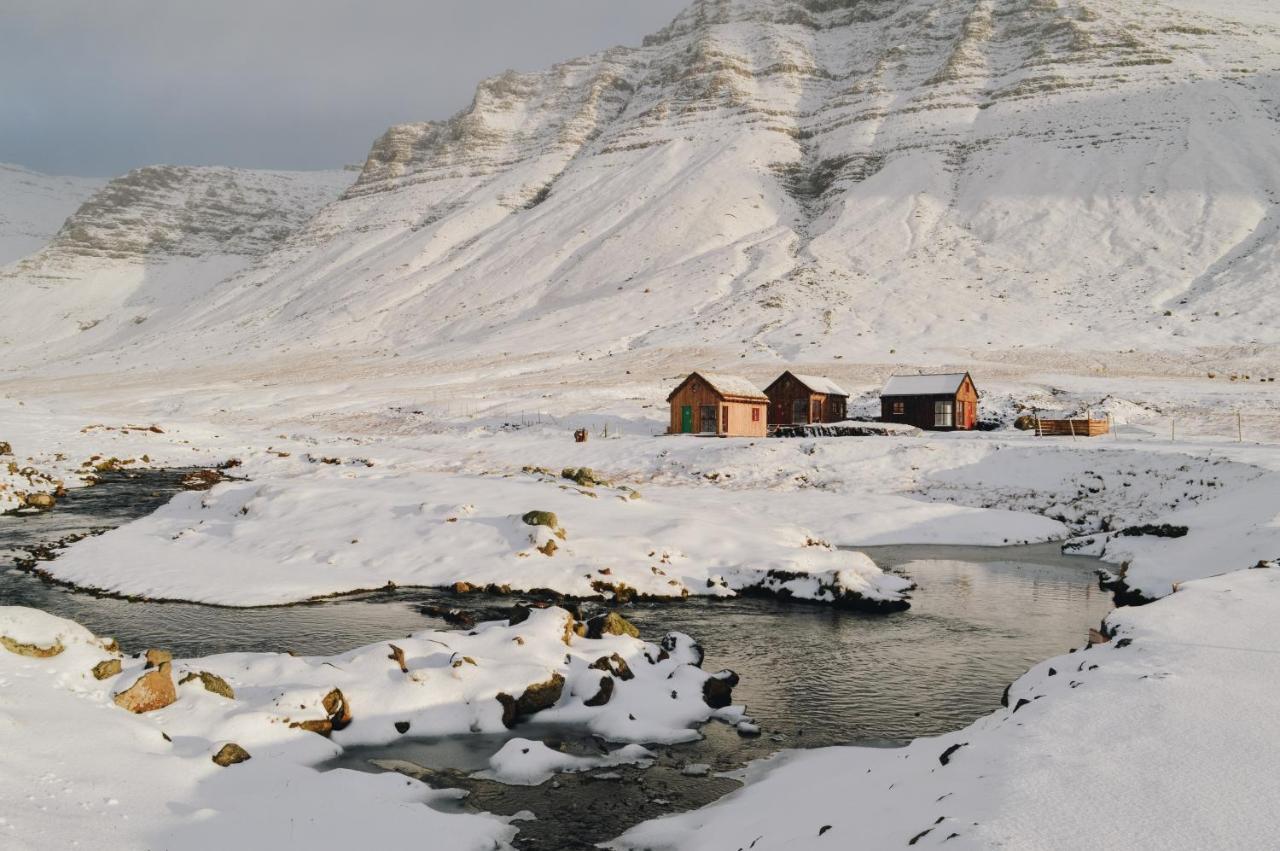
944,402
723,405
1071,428
803,399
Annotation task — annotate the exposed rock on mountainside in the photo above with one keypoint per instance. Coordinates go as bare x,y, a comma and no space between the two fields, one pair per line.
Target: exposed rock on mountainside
151,242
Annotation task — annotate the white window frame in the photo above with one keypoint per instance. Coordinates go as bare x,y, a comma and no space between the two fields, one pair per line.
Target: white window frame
944,413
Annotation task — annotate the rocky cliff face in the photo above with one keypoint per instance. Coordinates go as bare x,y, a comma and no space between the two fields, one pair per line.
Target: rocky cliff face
147,244
929,180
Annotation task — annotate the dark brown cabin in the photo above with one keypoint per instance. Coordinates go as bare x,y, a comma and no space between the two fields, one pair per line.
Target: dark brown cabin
947,402
712,404
802,399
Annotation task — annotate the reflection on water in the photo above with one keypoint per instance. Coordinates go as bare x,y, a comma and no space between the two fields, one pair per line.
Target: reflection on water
810,675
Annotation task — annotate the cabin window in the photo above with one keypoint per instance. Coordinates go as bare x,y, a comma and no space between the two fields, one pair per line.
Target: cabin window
798,409
707,419
899,408
815,414
943,413
755,415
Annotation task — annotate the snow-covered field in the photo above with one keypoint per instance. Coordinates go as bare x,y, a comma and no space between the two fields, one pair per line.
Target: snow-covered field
1072,200
81,770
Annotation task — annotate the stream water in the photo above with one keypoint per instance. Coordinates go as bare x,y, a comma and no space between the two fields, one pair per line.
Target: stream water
810,676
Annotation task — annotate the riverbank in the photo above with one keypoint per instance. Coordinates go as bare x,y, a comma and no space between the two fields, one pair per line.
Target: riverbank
1163,735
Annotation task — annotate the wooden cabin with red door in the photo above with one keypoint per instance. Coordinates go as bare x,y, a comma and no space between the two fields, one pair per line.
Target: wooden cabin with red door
803,399
946,402
709,403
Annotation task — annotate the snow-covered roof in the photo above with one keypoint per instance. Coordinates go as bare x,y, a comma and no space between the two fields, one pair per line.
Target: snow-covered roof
923,385
818,384
732,385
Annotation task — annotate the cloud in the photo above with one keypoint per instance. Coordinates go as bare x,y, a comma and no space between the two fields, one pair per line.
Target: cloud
95,88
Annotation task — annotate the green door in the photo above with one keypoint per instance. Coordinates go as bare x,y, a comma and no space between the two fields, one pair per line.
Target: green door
686,419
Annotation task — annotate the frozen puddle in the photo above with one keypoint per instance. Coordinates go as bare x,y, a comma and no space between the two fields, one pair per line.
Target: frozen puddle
810,675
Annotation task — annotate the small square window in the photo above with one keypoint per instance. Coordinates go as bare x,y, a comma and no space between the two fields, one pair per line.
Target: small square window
899,407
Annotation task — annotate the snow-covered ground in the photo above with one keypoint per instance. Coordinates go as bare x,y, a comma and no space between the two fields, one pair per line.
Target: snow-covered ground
81,770
1164,737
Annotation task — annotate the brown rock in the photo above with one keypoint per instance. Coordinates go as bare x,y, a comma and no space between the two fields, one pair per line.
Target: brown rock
602,696
230,754
202,480
614,664
211,682
158,657
41,501
397,656
35,651
462,588
535,698
153,690
549,548
106,669
5,448
339,711
611,623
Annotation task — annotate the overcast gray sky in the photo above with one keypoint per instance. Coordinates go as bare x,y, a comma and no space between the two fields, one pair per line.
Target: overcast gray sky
96,87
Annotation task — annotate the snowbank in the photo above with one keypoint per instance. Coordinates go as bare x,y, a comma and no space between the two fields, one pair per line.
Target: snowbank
1160,735
79,768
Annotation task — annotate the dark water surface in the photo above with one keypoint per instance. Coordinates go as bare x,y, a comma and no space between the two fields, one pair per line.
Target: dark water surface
810,675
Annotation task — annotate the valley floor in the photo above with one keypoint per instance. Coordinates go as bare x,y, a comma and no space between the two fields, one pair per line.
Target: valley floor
1160,734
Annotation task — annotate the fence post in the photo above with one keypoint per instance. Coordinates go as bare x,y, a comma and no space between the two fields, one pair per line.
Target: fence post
1239,429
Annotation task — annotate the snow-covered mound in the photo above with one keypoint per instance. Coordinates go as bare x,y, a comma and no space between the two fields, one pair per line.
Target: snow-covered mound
215,739
1178,697
796,179
146,246
33,206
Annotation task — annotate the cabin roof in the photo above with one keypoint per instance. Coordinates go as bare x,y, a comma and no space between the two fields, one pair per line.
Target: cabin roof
818,384
729,386
923,385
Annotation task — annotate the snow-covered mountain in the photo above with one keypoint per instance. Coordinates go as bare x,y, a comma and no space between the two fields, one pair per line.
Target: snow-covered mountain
800,179
149,244
33,206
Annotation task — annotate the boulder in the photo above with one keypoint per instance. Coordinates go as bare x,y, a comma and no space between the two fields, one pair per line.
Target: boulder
603,694
202,480
106,669
549,548
613,664
40,501
339,715
153,690
584,476
717,691
5,448
611,623
541,518
535,698
156,658
211,682
230,754
35,651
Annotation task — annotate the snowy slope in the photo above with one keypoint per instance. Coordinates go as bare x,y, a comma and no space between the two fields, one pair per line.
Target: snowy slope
150,243
786,179
33,206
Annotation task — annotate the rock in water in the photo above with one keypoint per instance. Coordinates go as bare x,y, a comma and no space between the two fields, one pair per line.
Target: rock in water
153,690
717,691
41,501
611,623
230,754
